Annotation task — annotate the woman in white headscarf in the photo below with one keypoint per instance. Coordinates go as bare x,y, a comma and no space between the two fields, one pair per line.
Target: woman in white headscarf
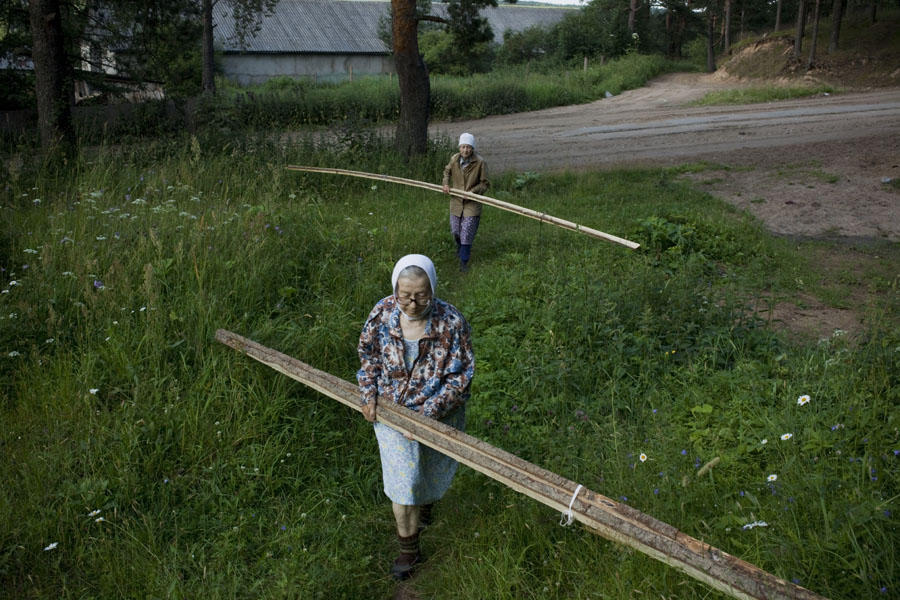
466,171
414,350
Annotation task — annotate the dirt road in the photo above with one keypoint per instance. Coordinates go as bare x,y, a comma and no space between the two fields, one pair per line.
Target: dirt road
809,167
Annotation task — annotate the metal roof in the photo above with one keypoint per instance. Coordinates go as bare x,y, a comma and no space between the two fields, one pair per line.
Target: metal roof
349,27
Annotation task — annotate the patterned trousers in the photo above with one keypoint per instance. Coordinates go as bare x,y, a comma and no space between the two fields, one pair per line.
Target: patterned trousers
463,229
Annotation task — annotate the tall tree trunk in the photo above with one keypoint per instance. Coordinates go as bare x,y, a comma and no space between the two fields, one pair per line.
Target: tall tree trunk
873,10
415,89
798,36
778,15
52,75
670,39
837,15
208,58
633,7
710,30
681,25
726,28
815,35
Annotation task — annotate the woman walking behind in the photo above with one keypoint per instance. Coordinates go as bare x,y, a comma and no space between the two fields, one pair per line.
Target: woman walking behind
466,171
414,350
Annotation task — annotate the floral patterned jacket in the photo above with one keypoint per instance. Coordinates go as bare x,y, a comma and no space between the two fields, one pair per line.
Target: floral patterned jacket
439,379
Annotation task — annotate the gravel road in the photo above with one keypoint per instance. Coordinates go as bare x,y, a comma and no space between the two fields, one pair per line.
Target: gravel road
810,167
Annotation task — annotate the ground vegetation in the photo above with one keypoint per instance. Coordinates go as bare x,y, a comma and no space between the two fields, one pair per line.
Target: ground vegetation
143,459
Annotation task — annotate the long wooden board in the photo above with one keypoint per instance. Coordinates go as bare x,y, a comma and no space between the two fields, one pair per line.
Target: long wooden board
507,206
608,518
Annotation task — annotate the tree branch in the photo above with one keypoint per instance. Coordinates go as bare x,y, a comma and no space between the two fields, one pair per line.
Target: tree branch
434,19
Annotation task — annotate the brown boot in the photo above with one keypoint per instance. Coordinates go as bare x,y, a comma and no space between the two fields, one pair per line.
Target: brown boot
409,558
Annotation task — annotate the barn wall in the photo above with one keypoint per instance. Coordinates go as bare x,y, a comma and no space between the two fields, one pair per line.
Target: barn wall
256,68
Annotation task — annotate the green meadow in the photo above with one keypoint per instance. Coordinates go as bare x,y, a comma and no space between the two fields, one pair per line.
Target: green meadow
142,459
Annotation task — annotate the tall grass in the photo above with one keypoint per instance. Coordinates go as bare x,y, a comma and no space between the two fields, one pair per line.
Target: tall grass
294,104
217,477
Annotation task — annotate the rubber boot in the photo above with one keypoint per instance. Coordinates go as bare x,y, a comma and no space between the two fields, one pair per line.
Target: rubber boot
465,251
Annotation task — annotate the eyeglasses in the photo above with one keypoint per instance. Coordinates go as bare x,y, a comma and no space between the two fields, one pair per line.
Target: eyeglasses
419,300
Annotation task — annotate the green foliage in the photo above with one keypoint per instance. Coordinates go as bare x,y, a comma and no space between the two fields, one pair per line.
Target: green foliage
695,52
178,64
215,476
471,34
525,46
444,55
164,48
600,29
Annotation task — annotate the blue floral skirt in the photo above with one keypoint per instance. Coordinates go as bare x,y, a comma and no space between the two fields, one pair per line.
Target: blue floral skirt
413,473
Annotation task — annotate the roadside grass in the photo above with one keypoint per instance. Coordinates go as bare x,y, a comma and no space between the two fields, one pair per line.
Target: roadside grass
215,476
285,102
298,104
753,95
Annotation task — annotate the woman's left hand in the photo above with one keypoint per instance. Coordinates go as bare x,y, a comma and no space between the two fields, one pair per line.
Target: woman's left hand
369,411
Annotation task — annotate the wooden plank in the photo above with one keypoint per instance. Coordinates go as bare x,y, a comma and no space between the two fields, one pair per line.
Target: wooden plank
602,515
507,206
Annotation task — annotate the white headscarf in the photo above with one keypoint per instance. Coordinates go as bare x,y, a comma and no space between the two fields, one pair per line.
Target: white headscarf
415,260
467,138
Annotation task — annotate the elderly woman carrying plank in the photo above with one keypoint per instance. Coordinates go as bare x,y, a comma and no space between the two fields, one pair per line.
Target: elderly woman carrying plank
414,350
466,171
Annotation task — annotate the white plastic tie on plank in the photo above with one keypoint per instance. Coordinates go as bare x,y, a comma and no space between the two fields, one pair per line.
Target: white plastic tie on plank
567,517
